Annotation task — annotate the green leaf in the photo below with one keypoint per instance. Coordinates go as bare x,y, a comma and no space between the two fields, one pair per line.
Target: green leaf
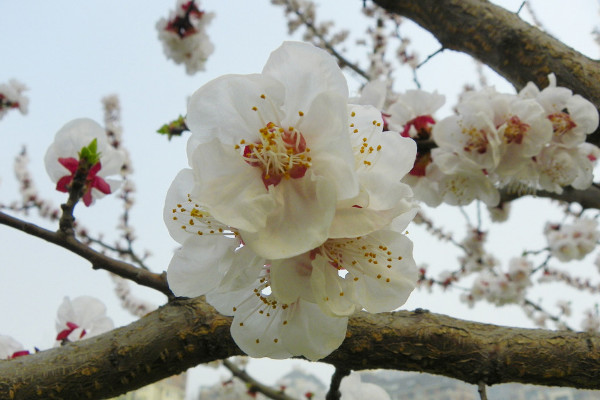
90,153
173,128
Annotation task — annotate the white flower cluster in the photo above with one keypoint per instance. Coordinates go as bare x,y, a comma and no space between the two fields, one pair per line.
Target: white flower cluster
292,214
476,258
572,241
502,288
183,36
534,140
11,96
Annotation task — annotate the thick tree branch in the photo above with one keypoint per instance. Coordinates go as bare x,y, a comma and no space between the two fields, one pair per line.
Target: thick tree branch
503,41
187,332
588,198
98,260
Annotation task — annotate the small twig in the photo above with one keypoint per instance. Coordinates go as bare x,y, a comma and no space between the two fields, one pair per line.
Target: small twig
121,252
554,318
429,57
336,380
521,7
481,390
98,260
329,47
253,384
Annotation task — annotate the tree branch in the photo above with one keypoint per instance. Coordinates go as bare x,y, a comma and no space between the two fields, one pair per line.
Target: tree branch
187,332
588,198
254,384
503,41
98,260
336,380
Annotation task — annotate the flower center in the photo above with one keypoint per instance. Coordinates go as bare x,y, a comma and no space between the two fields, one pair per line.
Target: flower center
418,127
476,140
561,123
280,153
515,130
71,326
360,255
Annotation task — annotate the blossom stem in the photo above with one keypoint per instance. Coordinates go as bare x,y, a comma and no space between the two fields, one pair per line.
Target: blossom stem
76,191
336,379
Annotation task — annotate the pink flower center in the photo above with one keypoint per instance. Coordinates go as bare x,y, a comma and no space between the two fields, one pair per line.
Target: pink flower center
421,127
64,334
92,181
19,354
561,122
515,130
477,140
280,153
182,25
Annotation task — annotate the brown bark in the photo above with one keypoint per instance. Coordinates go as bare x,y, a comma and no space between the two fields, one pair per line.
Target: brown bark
188,332
503,41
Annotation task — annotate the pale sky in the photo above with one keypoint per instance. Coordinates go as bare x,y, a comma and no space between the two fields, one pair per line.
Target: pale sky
71,54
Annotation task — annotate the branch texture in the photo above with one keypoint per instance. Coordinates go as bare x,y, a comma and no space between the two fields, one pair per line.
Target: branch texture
503,41
187,332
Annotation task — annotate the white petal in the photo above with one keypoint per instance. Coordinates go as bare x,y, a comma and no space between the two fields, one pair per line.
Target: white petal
178,194
299,221
232,190
325,127
381,288
310,333
290,278
222,108
258,333
352,221
200,265
305,71
330,290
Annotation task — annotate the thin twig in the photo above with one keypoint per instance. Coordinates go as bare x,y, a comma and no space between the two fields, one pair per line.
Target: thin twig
481,390
98,260
253,384
329,47
336,380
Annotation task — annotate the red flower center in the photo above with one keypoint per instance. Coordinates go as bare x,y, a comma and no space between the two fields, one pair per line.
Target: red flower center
92,181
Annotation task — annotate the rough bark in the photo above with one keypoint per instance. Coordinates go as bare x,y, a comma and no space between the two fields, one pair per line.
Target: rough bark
188,332
503,41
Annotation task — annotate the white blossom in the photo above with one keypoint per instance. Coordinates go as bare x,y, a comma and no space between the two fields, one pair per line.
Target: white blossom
183,36
11,96
10,348
572,241
352,388
63,157
81,318
271,152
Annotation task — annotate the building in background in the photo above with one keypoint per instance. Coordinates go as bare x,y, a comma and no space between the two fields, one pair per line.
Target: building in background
400,386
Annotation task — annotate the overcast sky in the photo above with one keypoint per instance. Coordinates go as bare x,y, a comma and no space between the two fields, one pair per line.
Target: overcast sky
71,54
